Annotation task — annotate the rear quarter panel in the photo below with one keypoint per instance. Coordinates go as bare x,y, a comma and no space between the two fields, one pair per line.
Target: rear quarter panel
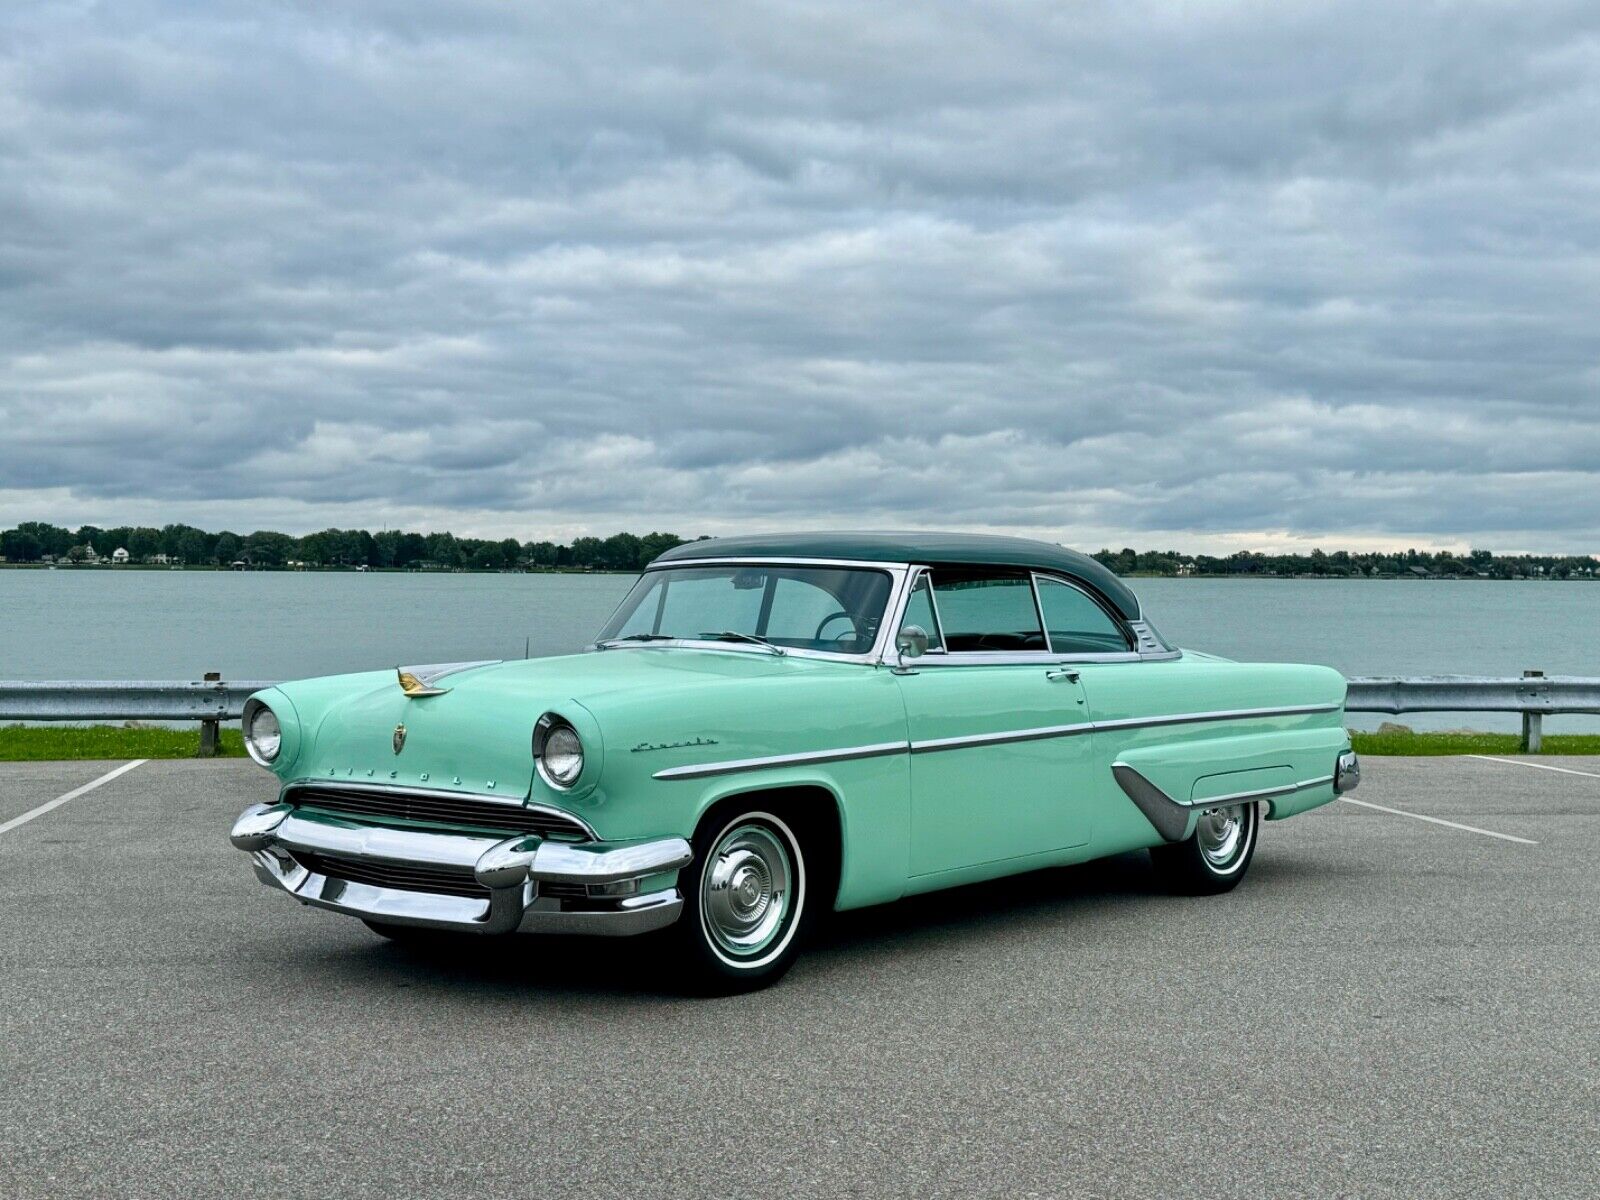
1206,758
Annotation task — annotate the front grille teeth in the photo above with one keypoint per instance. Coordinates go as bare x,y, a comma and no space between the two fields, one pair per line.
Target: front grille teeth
463,812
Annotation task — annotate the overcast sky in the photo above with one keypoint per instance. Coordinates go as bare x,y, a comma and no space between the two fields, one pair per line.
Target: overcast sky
1201,275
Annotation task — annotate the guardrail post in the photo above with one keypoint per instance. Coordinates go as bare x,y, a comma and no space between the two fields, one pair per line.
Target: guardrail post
1532,723
210,731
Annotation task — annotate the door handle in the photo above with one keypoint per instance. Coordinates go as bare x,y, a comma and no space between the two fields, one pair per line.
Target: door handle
1066,673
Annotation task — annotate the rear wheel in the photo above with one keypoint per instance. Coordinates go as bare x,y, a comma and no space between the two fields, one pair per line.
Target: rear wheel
745,903
1216,855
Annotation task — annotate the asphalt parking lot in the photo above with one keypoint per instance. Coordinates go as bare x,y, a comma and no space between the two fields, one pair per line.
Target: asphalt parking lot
1387,1007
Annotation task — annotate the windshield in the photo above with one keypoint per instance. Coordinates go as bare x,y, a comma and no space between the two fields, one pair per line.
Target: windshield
800,608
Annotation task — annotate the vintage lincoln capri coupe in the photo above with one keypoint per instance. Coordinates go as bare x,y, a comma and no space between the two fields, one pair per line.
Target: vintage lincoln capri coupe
769,728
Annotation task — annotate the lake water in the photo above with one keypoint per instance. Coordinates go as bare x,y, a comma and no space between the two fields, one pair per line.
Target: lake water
178,624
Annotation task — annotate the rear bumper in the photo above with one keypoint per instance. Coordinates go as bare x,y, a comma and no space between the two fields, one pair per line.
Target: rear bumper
481,884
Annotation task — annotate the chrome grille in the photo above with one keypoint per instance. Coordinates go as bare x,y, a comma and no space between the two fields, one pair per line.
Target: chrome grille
462,812
407,877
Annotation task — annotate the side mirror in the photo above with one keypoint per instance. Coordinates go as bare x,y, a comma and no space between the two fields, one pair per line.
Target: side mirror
912,642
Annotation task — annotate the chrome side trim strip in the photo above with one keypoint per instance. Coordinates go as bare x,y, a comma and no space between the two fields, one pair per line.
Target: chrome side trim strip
998,739
1241,797
730,766
1223,714
931,745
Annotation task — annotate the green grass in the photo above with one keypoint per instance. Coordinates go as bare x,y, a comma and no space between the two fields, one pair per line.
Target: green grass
39,743
1466,741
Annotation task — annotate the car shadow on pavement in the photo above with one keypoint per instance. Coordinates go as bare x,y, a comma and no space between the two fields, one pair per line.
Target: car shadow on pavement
524,968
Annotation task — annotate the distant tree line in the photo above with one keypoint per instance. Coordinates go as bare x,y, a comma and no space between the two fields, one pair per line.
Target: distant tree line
1483,564
35,541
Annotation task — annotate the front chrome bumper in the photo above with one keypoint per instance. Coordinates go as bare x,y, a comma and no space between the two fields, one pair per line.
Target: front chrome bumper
508,879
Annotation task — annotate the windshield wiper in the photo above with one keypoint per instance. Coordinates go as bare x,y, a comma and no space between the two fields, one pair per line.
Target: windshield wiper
733,635
635,637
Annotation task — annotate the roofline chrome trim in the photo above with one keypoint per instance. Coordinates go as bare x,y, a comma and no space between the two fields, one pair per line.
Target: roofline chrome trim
934,745
733,765
869,563
507,801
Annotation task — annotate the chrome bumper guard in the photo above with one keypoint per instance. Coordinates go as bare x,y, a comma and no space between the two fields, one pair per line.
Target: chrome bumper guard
511,870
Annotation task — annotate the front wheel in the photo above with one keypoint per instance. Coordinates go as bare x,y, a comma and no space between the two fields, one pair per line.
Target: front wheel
1216,855
746,906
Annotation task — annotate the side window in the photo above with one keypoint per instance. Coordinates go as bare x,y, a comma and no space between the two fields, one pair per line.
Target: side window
919,611
1076,623
987,612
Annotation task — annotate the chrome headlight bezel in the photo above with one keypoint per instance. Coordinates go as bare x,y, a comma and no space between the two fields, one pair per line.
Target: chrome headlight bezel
253,711
554,725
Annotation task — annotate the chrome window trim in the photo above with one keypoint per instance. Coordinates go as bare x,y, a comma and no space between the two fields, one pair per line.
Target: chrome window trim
1019,658
962,741
1117,623
506,801
883,641
917,575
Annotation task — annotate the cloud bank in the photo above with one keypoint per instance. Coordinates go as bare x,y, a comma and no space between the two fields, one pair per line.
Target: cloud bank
1211,275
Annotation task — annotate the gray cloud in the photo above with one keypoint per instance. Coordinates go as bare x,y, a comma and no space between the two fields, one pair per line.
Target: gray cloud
1210,275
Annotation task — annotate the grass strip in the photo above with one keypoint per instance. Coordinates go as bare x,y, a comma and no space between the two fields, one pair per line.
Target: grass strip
55,743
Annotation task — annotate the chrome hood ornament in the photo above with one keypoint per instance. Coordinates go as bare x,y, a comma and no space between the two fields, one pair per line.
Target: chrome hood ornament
399,738
422,681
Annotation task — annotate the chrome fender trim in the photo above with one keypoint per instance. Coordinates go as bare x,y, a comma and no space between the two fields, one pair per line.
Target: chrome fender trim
1173,821
1173,818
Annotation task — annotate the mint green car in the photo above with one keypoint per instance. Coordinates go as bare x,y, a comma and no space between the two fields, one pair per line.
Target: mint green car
769,728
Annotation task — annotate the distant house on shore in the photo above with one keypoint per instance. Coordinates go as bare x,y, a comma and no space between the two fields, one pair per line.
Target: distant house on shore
119,556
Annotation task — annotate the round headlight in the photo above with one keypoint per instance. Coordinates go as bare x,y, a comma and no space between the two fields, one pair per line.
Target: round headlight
559,751
263,737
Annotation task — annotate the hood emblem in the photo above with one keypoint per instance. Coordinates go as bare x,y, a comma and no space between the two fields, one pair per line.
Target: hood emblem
399,738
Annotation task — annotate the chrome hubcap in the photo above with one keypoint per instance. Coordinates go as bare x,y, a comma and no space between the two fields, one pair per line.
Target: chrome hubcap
1221,835
745,892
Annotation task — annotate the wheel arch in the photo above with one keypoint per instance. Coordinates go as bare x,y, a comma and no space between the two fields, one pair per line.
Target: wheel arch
815,809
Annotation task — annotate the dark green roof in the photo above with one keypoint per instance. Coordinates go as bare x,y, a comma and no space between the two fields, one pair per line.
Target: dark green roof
967,548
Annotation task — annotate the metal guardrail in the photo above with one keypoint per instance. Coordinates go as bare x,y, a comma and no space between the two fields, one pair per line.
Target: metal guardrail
212,700
1534,695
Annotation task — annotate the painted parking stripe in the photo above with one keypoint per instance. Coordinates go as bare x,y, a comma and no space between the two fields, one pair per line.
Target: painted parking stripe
1517,762
72,795
1400,812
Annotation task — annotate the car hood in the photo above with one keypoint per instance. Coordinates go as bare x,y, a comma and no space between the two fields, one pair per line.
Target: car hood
476,736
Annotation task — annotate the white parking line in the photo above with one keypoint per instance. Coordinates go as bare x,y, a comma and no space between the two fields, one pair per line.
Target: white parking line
1400,812
72,795
1517,762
